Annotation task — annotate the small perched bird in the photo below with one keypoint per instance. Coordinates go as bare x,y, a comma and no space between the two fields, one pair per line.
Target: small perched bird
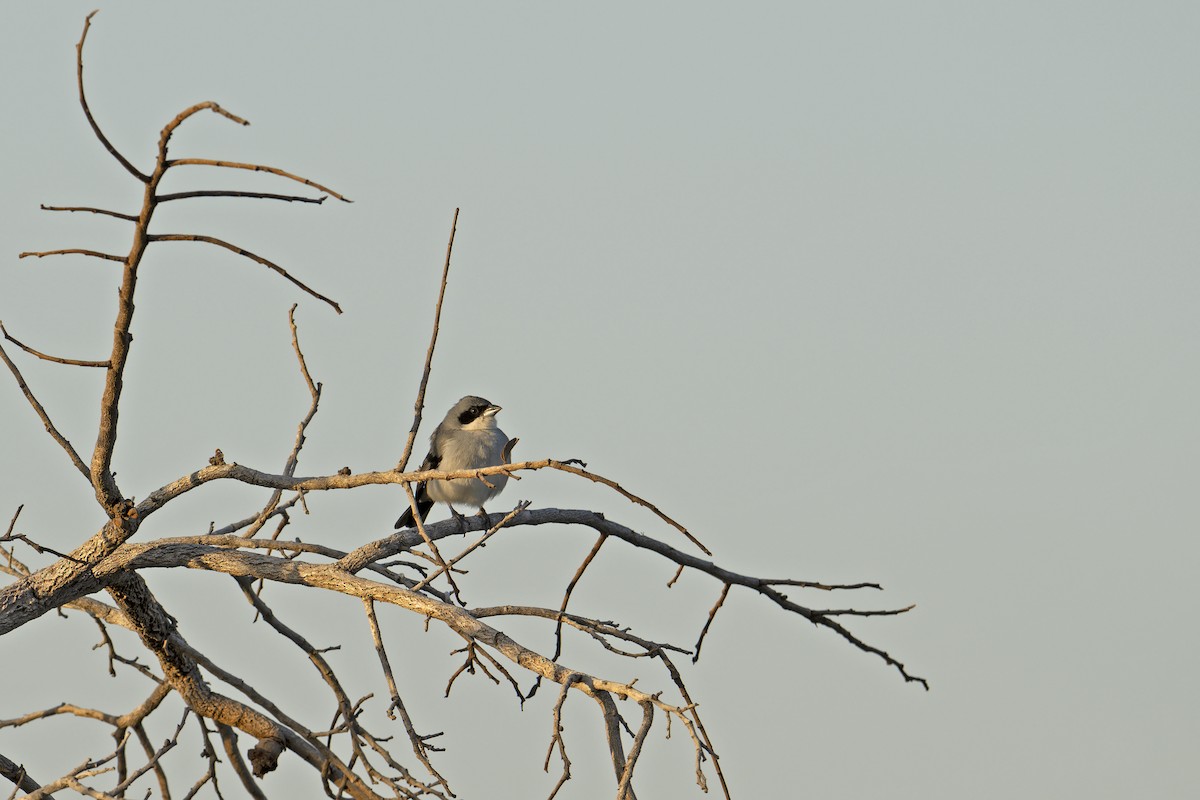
466,439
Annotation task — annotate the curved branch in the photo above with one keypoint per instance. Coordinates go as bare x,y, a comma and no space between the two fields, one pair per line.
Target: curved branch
74,362
289,467
212,162
195,237
165,136
330,576
130,168
237,472
41,412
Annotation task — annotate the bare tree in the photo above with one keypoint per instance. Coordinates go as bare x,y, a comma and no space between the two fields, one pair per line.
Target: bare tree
402,572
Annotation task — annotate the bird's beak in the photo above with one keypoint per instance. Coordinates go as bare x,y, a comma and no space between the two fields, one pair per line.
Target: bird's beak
491,411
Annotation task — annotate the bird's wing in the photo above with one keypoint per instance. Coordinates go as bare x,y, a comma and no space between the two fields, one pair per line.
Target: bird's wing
424,504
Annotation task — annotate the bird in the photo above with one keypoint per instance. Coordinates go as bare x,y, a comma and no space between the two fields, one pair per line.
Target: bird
466,439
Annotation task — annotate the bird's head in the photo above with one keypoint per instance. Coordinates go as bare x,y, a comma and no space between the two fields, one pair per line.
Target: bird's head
473,413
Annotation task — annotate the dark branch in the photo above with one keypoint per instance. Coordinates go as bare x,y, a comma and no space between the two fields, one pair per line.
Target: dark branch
74,362
104,211
419,405
210,162
130,168
291,198
41,412
191,237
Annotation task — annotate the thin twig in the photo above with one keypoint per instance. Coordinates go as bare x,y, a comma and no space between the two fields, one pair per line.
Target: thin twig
130,168
102,211
635,750
853,612
420,744
195,237
152,763
419,405
69,361
13,522
482,541
71,251
433,548
289,467
828,587
164,138
210,162
562,608
567,467
41,412
291,198
712,614
557,737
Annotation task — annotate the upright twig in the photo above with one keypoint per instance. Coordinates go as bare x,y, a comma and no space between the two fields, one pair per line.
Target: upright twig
624,789
481,542
419,405
556,738
444,569
420,744
124,162
712,614
293,459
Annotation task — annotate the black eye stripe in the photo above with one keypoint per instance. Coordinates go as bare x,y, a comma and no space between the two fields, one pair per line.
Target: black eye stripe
471,414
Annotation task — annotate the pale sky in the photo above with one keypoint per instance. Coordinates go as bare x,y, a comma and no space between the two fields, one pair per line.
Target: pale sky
894,292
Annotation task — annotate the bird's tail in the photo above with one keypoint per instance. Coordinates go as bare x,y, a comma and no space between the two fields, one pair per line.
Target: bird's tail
424,504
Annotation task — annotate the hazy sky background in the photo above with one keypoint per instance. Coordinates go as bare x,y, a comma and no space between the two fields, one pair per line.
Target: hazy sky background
900,292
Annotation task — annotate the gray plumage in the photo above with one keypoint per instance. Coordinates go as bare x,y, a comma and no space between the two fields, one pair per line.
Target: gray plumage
466,439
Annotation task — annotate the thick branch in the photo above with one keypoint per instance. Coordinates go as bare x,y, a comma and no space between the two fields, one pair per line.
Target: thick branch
327,576
156,628
17,775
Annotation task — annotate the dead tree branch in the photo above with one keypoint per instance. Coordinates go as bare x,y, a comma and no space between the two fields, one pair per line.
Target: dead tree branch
69,361
347,757
41,412
419,404
90,209
271,265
